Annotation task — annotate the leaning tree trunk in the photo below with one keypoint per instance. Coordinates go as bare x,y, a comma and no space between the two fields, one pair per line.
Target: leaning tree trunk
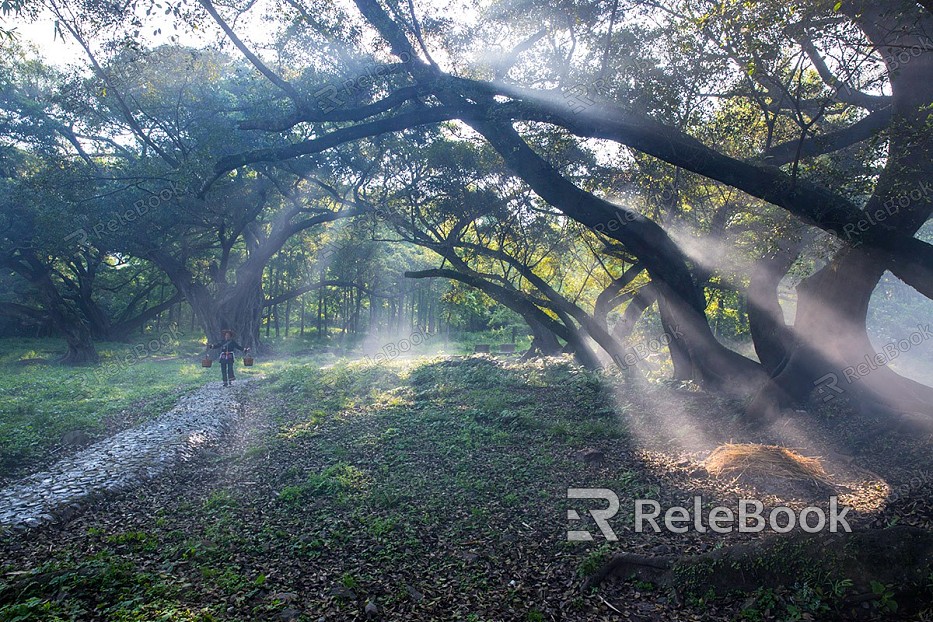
832,351
830,333
543,342
712,364
643,298
684,368
770,333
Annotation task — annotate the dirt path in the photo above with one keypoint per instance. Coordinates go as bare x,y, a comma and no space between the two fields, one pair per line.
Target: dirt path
123,460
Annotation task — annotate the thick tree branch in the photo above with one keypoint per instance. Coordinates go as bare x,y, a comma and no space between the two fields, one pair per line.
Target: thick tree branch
335,138
841,91
609,298
866,128
909,258
396,98
560,303
273,77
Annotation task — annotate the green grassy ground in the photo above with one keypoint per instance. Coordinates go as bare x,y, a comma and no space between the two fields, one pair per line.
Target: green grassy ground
41,401
433,488
400,483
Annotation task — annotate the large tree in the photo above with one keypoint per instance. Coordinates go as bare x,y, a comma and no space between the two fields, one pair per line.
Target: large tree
821,86
493,107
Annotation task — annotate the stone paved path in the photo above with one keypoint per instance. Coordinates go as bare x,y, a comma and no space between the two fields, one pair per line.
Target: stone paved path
122,460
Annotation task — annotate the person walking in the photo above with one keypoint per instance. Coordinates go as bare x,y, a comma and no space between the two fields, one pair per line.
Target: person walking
227,345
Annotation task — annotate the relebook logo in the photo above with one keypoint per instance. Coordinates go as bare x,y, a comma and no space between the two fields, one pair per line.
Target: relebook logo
748,517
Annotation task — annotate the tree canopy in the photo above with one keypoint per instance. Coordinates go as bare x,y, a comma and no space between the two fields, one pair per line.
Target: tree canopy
578,164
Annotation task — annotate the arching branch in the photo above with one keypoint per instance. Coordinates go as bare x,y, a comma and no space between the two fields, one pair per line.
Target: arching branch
866,128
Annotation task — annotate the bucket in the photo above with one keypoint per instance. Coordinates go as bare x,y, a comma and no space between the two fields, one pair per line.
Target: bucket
206,362
248,361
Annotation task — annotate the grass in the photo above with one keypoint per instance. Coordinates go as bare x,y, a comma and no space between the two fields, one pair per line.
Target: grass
376,482
41,402
434,487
